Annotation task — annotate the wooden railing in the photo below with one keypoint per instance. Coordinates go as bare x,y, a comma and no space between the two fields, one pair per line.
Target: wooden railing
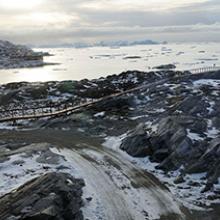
24,113
205,69
41,112
65,109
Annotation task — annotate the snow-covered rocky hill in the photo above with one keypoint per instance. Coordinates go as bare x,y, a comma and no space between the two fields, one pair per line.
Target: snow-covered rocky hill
19,56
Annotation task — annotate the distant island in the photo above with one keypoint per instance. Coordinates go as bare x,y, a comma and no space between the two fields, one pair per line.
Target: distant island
121,43
113,44
19,56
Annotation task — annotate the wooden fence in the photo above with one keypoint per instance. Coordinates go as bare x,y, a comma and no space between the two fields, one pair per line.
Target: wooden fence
205,69
24,113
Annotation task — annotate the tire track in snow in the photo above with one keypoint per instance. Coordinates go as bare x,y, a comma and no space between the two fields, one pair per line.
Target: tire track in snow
119,189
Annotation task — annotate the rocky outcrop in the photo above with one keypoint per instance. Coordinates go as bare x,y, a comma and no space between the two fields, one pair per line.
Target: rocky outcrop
165,67
137,143
54,196
169,145
172,146
209,162
18,56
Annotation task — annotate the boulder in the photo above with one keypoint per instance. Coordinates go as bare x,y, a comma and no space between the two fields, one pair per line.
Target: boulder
137,143
170,145
54,196
165,67
193,105
207,159
179,179
208,162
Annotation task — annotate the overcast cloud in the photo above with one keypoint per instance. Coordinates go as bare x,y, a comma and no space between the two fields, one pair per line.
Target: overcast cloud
67,21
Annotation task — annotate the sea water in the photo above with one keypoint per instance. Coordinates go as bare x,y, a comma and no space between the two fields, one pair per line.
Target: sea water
95,62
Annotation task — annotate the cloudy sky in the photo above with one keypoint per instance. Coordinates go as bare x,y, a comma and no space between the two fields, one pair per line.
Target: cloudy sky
66,21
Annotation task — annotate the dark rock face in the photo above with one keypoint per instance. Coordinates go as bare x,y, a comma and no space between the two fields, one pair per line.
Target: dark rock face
136,143
172,147
171,137
186,127
18,56
54,196
165,67
209,161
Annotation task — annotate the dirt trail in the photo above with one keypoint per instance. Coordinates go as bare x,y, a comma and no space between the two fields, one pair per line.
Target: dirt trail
122,190
119,190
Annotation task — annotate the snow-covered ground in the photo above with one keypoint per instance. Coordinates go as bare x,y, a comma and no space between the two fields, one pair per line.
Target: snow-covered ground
109,193
188,192
20,168
114,190
209,82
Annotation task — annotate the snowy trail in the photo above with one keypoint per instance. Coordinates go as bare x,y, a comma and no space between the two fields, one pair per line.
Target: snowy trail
118,189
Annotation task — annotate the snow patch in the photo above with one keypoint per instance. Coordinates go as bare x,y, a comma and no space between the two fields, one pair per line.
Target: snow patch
194,136
99,114
212,131
113,142
190,196
19,169
7,126
209,82
211,107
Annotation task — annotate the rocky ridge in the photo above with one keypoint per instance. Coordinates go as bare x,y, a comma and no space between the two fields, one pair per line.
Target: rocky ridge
51,196
19,56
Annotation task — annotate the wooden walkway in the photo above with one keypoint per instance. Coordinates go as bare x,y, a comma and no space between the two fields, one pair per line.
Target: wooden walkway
25,113
205,69
48,112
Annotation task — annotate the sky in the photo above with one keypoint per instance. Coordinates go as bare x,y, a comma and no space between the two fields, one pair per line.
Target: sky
53,22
